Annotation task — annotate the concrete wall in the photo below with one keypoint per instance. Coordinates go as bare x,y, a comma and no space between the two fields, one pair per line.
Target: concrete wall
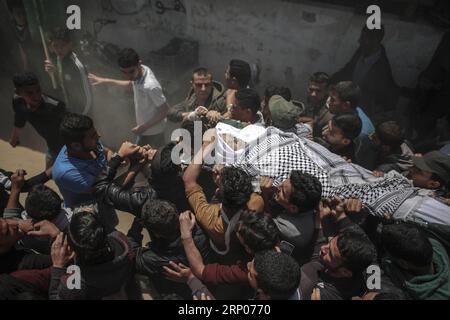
288,40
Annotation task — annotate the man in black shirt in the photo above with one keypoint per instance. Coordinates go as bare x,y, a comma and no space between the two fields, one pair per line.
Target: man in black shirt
41,111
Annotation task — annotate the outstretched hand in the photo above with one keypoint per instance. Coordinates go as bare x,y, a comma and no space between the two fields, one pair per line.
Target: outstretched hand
95,80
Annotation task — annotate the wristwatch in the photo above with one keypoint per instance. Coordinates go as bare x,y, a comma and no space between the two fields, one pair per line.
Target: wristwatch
116,157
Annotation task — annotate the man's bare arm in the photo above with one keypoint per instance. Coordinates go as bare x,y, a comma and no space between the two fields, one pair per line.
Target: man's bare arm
187,223
15,135
96,80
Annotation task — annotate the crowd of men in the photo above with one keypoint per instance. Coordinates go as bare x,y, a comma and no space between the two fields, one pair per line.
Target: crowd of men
216,231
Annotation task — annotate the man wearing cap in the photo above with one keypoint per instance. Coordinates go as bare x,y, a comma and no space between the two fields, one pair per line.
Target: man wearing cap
431,171
285,116
430,174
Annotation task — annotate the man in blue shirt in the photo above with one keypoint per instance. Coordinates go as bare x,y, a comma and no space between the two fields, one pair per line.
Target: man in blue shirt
80,160
344,98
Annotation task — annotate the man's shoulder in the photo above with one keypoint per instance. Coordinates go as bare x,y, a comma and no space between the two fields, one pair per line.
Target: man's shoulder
149,79
63,167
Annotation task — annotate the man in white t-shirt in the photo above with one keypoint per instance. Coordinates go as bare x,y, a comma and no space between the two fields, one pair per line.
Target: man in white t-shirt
149,101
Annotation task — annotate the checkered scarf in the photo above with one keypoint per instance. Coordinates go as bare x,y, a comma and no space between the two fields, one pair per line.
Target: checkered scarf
278,153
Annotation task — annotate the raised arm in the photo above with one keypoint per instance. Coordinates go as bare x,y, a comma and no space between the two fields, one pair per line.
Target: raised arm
187,223
17,181
96,80
14,140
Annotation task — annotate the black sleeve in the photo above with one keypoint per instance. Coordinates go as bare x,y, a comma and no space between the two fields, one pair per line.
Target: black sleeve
20,118
122,199
134,235
39,179
55,282
148,262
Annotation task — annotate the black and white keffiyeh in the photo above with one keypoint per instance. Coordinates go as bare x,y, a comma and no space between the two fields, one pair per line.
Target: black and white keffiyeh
276,154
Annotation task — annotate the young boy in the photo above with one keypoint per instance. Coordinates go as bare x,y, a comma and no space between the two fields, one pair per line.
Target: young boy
149,101
70,73
340,135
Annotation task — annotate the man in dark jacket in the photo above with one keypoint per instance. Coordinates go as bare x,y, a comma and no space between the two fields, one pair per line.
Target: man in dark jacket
165,182
106,262
102,263
160,218
417,264
370,69
204,93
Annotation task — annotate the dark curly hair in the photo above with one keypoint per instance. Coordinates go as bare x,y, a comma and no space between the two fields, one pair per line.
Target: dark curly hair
235,188
88,239
278,274
307,190
43,203
407,242
160,217
356,249
259,232
73,128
